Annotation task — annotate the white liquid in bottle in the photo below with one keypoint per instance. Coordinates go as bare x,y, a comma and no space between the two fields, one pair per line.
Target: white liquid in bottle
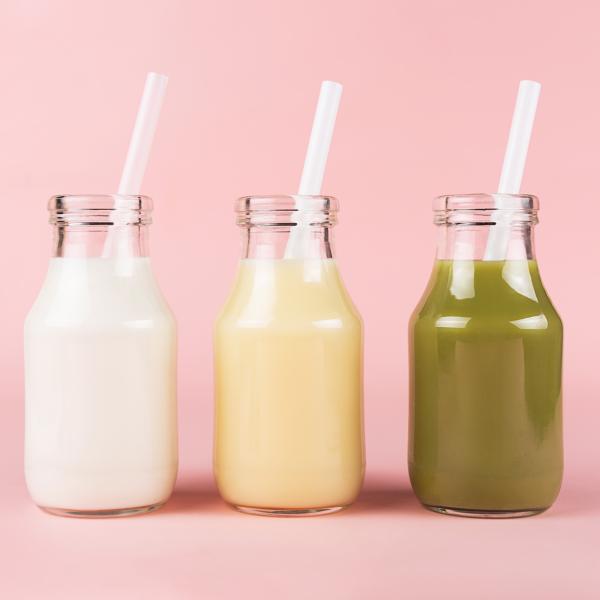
100,375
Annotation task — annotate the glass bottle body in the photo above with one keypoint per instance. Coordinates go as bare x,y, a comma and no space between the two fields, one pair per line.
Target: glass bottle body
288,371
100,367
486,369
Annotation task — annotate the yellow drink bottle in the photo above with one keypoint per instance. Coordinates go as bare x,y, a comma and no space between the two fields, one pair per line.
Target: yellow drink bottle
288,371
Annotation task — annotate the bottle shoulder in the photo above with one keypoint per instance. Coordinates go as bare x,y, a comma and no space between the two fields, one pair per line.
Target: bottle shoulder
99,293
307,293
482,293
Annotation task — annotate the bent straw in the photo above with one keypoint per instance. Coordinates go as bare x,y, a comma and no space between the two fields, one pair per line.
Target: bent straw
514,165
315,162
140,143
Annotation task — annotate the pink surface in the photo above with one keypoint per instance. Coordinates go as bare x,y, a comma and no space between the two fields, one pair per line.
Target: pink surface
429,92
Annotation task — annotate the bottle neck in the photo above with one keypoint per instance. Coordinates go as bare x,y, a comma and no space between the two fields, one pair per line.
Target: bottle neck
311,242
491,227
290,227
470,241
100,226
123,241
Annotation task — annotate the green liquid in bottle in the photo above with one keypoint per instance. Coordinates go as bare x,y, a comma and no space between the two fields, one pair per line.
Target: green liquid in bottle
485,406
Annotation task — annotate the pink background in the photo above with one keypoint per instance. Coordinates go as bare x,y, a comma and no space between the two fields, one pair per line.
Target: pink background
429,92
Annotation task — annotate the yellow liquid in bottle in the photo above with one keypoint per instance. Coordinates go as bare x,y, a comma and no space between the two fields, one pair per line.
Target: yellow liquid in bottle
288,384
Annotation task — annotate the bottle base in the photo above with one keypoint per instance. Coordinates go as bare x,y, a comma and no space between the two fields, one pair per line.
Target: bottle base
102,514
485,514
289,512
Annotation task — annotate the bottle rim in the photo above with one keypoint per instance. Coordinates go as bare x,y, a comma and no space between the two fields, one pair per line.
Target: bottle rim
485,209
286,210
89,210
482,201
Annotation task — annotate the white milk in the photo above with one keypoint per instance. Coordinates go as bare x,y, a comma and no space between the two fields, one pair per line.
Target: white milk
100,383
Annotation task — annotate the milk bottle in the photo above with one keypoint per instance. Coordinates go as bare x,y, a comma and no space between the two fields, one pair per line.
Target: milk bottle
100,366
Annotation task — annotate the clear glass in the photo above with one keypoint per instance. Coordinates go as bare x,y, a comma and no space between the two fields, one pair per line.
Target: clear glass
485,436
466,222
100,226
288,367
100,366
268,221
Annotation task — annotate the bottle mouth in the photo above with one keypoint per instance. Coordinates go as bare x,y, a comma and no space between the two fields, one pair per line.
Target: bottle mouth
286,211
485,209
100,210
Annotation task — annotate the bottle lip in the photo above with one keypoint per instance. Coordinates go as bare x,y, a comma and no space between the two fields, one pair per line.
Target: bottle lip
282,210
100,209
486,202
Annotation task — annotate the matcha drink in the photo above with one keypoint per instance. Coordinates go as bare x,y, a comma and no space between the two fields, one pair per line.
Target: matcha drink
486,353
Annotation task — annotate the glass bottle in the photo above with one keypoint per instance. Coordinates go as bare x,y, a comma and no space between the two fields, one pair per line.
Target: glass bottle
486,361
100,366
288,368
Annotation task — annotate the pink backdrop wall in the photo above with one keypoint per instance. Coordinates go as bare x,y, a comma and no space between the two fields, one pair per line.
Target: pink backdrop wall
428,98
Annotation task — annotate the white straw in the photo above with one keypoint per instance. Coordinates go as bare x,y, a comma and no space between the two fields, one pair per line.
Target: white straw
514,165
518,140
139,148
320,139
315,160
143,134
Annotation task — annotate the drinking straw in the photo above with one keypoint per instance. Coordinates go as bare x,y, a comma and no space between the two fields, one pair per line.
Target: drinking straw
514,165
314,163
140,143
143,134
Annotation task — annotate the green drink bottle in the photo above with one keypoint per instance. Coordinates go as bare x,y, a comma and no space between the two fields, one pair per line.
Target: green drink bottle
485,368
